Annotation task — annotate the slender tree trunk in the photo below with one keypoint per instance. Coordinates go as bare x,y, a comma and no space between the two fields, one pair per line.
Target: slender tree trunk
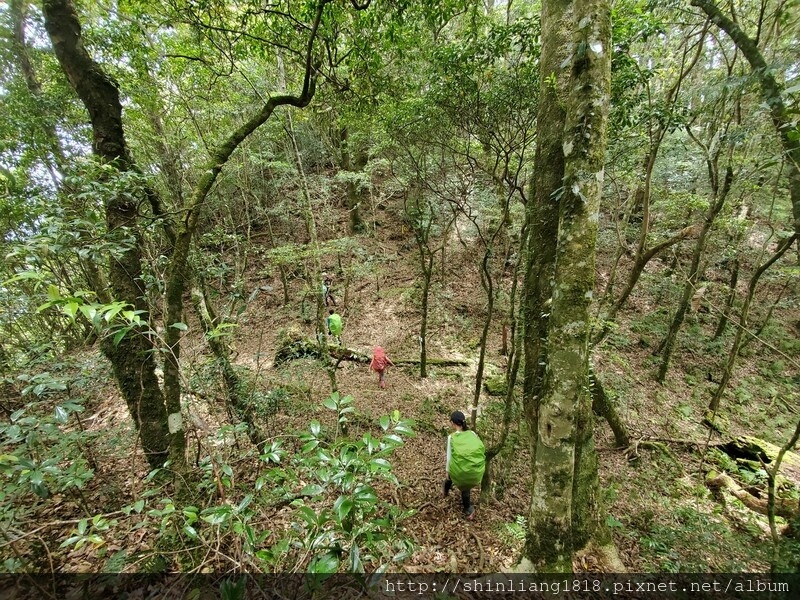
602,406
177,272
427,275
772,94
643,255
689,288
743,322
132,358
564,512
514,356
352,164
488,285
723,319
315,279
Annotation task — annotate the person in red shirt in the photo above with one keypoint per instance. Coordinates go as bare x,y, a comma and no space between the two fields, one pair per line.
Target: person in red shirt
380,362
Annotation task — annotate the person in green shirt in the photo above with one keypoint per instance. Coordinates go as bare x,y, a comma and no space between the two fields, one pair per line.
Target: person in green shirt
335,326
466,461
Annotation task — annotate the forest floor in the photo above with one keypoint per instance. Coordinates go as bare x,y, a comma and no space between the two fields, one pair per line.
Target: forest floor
662,516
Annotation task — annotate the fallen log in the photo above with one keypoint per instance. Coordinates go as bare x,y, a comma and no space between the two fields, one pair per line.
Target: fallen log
294,349
718,482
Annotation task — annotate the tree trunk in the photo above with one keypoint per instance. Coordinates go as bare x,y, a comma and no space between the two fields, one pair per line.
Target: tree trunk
542,548
743,321
723,319
132,358
514,357
352,164
689,288
602,406
427,274
488,285
565,512
233,387
772,95
315,279
642,196
177,272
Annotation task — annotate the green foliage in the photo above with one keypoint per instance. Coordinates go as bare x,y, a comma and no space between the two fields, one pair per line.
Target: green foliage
339,521
41,451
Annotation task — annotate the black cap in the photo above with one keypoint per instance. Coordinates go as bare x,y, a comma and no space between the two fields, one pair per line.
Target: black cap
458,418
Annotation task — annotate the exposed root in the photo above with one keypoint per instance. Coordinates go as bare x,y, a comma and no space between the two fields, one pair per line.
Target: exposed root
480,550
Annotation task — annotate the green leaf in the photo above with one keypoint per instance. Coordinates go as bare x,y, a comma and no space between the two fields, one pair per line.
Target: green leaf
52,293
380,463
309,446
326,563
312,489
385,422
308,515
342,507
119,335
40,490
245,502
612,522
89,311
61,416
70,309
190,531
138,506
356,565
179,325
315,427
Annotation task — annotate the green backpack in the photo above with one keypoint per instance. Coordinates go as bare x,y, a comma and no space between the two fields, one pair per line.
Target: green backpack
335,324
467,459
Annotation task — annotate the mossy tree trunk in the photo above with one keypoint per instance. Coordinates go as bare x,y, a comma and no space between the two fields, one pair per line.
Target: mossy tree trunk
132,358
575,73
353,160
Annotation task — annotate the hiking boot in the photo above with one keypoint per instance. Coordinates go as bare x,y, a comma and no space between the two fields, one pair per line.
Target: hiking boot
469,514
446,486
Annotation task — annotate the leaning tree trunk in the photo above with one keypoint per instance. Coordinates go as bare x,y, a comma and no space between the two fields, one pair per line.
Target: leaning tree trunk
488,285
177,272
132,358
564,513
643,255
772,94
743,322
668,344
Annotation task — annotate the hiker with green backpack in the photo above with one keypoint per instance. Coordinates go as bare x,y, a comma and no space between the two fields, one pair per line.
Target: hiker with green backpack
466,461
335,326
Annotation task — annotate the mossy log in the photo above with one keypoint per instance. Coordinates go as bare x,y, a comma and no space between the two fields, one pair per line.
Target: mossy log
293,349
750,448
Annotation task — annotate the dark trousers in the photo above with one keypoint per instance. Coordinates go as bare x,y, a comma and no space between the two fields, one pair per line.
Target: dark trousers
466,502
